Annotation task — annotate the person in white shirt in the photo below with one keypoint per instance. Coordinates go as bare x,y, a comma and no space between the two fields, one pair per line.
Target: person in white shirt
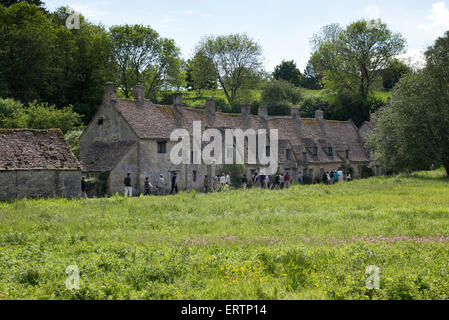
340,175
223,179
228,179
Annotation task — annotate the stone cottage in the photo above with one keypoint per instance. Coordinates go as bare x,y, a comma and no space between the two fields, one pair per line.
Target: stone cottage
37,164
134,136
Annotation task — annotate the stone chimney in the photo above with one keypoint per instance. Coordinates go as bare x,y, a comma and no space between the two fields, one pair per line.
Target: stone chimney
139,93
295,113
210,110
319,115
263,112
110,92
177,101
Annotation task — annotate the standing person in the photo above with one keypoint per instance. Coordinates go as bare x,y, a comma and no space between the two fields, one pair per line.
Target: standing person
127,183
254,179
325,181
84,187
328,177
287,179
282,181
146,187
335,176
300,178
174,184
228,179
160,184
206,184
340,175
277,181
244,181
270,181
223,179
348,176
262,180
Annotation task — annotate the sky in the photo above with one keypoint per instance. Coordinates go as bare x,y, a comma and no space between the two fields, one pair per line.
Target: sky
282,27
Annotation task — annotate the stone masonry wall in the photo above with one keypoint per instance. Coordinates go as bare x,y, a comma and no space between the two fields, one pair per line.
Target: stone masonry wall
39,184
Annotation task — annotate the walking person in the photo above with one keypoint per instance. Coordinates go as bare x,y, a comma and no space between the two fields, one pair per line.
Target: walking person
146,187
128,187
340,175
174,184
160,184
287,179
277,182
325,181
348,176
244,181
228,179
300,178
335,176
84,187
206,184
282,181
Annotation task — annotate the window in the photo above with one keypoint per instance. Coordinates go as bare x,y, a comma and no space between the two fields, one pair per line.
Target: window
100,121
331,151
314,151
161,147
289,154
194,176
347,154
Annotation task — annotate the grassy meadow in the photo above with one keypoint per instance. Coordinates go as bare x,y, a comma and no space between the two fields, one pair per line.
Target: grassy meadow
306,242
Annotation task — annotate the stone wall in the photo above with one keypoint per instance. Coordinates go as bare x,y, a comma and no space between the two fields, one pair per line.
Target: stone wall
39,184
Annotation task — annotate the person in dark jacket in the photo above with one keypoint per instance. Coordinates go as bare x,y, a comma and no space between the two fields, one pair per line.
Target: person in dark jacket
206,184
84,187
174,184
147,187
127,183
244,181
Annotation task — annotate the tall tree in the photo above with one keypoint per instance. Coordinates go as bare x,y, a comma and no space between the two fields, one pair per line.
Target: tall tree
237,62
203,72
9,3
413,132
353,58
393,73
288,71
141,56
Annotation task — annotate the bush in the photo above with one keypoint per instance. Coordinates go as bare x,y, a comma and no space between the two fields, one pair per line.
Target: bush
43,116
367,172
307,180
311,104
278,92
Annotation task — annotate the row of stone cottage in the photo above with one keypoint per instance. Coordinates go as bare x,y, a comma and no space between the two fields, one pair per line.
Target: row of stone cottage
134,136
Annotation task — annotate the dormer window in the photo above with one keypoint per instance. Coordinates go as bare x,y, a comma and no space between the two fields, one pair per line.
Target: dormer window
315,151
331,152
347,154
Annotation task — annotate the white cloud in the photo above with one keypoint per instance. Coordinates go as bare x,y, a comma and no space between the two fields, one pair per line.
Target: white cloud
372,12
438,17
414,57
190,12
87,10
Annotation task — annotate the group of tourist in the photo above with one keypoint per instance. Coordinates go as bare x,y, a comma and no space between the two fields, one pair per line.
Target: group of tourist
219,182
335,176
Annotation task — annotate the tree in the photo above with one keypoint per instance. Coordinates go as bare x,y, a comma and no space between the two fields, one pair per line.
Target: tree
140,55
413,132
393,73
237,62
288,71
9,3
42,116
203,73
27,51
280,91
352,59
311,79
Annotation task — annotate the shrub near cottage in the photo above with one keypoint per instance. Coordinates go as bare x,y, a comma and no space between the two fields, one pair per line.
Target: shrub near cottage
305,242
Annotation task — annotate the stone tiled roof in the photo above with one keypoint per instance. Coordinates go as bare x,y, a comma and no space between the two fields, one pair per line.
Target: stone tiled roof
25,149
151,121
101,157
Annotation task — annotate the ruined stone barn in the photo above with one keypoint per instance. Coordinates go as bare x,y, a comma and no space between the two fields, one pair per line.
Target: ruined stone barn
37,164
134,136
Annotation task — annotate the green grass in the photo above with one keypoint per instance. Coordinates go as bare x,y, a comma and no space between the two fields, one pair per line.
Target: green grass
311,242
